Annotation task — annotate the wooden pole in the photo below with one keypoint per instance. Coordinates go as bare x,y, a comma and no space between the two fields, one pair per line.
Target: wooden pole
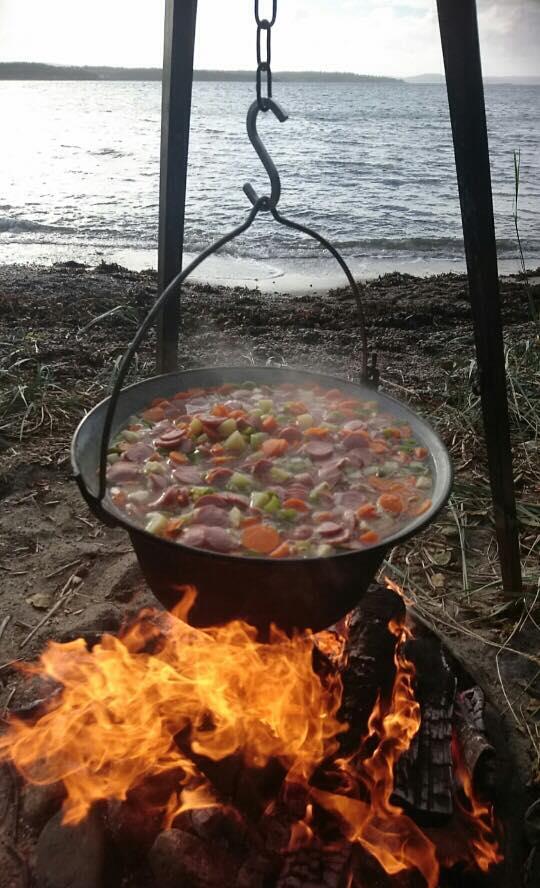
461,51
180,21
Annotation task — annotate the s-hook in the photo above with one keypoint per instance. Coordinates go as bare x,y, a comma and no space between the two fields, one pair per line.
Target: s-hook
268,203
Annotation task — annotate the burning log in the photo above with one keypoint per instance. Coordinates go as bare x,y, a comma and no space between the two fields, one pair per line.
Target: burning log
478,753
369,668
423,781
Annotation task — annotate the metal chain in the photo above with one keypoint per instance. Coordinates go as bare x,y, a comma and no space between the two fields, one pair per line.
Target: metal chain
264,71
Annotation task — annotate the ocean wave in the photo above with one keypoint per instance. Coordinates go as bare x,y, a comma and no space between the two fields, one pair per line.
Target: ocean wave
20,226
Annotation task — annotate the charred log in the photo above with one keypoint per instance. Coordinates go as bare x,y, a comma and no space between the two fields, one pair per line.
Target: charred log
423,775
478,753
369,670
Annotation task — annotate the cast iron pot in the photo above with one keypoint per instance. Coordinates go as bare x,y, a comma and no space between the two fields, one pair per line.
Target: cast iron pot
294,593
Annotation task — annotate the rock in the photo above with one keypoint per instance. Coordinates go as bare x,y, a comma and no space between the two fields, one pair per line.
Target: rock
179,859
71,856
39,803
135,822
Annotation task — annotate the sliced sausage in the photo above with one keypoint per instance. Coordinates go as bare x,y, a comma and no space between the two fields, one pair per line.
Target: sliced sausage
171,440
291,434
351,499
138,452
319,450
122,470
211,516
217,477
194,536
172,496
261,467
355,439
187,475
354,425
359,457
334,533
212,422
224,500
329,529
302,532
305,479
218,539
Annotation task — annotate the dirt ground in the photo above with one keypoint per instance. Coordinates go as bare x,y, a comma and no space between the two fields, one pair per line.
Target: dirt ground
62,332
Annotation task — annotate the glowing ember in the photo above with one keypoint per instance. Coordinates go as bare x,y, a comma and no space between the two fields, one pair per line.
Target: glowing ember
164,694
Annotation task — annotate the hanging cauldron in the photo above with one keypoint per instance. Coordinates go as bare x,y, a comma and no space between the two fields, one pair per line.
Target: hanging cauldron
292,593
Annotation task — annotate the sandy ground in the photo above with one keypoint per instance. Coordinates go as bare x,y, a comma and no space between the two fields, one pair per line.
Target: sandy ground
63,574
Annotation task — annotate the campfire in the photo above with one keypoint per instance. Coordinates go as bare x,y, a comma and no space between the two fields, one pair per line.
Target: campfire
344,759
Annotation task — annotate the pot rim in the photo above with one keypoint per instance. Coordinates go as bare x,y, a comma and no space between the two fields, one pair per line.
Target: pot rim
404,533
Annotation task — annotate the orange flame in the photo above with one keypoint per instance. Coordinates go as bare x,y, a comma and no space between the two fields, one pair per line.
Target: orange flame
479,820
125,703
378,825
121,708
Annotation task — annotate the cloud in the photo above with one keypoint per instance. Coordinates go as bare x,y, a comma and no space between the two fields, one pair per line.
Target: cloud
396,37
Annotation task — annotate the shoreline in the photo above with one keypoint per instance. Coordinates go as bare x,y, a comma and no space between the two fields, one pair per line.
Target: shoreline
280,277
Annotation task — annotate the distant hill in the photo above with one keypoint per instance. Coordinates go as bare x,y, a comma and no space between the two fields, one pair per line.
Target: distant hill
38,71
439,78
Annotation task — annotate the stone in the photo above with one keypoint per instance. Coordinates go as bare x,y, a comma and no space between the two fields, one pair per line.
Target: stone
39,803
71,856
179,859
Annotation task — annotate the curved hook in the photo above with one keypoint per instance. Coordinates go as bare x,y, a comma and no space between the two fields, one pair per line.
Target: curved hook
266,160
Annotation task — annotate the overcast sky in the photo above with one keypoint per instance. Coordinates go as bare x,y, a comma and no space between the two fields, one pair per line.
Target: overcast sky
393,37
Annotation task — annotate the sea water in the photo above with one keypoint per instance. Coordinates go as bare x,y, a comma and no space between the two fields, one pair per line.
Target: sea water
370,165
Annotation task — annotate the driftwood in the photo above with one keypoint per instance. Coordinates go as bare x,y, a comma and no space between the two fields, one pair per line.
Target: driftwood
478,753
423,779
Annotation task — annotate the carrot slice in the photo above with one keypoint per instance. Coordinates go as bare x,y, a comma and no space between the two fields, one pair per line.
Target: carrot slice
178,457
316,432
319,517
174,525
154,414
368,510
219,410
220,460
274,447
390,502
269,424
296,503
369,537
237,414
261,538
351,404
217,450
297,407
420,452
282,551
378,447
249,521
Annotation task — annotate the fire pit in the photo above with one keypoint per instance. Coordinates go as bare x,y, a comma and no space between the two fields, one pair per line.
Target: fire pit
357,756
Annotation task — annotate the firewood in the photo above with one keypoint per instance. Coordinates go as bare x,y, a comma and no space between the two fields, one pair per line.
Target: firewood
423,781
478,753
368,671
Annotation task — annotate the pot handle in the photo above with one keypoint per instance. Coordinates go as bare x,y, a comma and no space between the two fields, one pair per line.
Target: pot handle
368,375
